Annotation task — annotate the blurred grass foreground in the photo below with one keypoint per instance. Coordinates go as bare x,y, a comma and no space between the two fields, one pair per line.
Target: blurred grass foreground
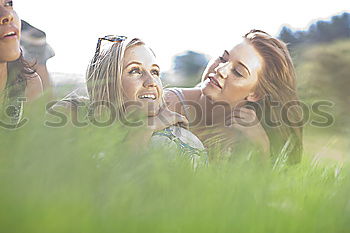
84,180
81,180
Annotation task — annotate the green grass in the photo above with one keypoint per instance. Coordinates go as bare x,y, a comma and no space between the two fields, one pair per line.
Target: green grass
81,180
85,180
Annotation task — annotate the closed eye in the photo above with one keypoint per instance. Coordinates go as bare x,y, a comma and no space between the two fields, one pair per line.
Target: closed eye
237,73
222,59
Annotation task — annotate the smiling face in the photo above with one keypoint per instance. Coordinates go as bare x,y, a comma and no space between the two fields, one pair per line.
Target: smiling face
233,77
9,32
140,79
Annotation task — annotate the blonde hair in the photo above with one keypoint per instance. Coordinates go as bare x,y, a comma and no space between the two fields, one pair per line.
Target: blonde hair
277,82
104,73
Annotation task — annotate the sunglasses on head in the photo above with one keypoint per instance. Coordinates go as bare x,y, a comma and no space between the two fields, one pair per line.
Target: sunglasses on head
110,38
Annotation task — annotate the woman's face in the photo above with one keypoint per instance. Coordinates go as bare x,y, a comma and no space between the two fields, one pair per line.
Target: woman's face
232,77
141,80
10,26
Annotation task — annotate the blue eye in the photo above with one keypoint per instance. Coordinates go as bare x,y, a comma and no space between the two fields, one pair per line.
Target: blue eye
135,71
155,72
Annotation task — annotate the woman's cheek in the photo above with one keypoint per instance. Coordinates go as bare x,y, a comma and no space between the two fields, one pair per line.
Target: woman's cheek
130,88
233,92
160,87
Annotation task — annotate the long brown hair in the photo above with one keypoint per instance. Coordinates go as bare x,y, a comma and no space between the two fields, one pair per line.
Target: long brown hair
277,83
18,72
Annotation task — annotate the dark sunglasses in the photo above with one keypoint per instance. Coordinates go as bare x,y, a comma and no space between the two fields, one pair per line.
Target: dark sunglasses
110,38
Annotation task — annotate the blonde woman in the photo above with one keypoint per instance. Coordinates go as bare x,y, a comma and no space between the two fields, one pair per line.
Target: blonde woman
258,73
124,78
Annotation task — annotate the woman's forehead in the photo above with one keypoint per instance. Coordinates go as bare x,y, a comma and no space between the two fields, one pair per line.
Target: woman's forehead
245,53
140,53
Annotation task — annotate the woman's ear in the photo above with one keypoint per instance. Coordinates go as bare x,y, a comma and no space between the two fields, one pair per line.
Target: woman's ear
253,97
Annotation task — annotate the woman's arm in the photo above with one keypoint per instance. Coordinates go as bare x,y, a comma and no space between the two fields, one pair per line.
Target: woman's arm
173,102
139,138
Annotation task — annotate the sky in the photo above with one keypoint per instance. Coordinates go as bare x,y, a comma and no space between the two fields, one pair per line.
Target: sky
168,27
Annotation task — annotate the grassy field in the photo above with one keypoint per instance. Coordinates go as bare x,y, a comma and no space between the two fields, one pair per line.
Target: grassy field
84,180
81,180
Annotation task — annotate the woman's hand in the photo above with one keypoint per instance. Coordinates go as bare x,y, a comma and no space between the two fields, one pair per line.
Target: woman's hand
246,122
139,138
166,118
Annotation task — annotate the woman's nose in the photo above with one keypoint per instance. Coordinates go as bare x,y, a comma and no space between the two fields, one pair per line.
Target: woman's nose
149,81
5,16
221,70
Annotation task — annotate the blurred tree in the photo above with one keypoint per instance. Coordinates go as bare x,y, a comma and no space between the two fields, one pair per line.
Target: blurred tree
341,26
189,63
338,27
187,69
323,32
288,36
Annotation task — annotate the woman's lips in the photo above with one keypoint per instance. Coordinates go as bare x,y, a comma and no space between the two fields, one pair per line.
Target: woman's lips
9,33
150,96
214,82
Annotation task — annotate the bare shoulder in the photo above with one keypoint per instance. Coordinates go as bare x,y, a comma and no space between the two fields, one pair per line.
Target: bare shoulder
174,102
34,87
187,93
192,94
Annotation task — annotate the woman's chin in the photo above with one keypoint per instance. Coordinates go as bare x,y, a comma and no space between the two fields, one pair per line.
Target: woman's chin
209,92
147,107
151,112
10,51
10,57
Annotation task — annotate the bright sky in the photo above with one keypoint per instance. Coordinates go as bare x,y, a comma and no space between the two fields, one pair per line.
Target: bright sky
168,27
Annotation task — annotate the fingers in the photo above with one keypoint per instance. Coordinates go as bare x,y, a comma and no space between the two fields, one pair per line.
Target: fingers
182,121
177,119
167,118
